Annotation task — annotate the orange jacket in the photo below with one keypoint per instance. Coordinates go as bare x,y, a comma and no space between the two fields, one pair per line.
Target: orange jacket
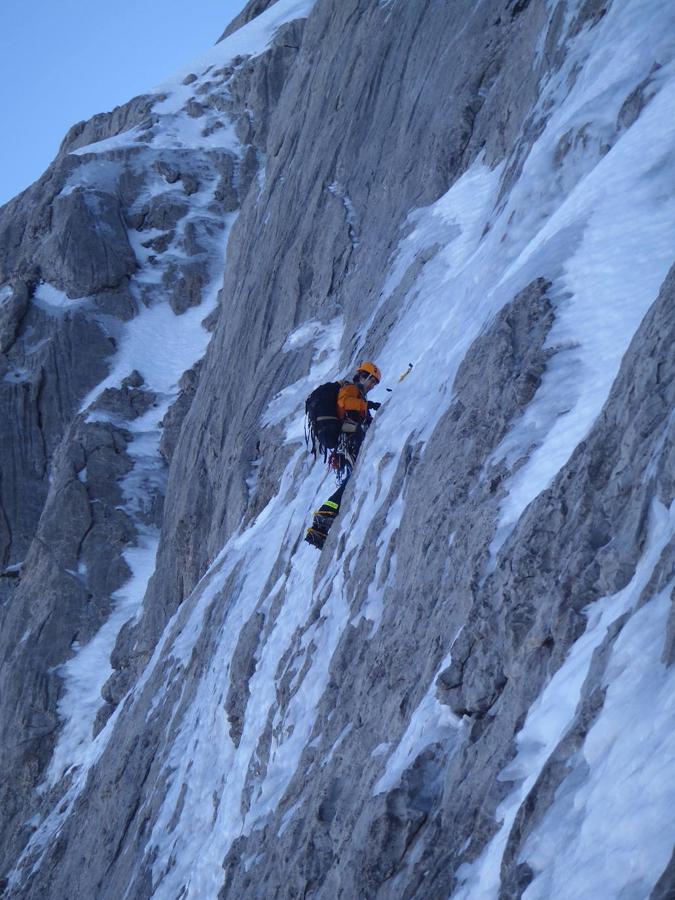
351,404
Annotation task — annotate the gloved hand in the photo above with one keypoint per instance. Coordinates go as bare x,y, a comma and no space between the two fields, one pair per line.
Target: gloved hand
373,405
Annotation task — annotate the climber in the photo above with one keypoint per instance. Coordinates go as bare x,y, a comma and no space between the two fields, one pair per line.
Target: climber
339,415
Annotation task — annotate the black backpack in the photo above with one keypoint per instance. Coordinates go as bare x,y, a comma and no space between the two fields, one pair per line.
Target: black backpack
323,426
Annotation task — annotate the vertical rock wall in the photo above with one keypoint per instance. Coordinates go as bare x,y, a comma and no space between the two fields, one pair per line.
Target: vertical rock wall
122,222
344,125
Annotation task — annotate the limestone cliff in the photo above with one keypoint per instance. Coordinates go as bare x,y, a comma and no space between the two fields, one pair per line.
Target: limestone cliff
195,703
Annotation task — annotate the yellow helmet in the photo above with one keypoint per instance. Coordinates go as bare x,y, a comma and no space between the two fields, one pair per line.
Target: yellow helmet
371,369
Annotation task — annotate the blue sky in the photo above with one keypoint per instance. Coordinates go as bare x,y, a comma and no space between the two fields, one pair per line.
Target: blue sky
64,60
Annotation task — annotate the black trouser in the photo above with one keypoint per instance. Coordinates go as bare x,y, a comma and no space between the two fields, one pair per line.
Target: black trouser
325,515
337,496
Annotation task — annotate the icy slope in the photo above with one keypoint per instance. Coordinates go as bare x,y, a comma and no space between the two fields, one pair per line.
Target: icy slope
467,694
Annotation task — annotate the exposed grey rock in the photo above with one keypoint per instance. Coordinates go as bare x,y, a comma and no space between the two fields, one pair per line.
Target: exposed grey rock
164,211
197,235
173,420
184,283
194,109
128,402
248,170
70,229
73,566
636,101
88,249
205,88
118,303
161,243
134,380
190,184
225,191
243,669
169,172
394,112
40,390
256,89
13,306
665,888
669,647
105,125
26,220
252,9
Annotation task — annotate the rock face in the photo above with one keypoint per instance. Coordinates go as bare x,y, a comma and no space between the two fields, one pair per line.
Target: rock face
83,255
88,249
194,702
250,11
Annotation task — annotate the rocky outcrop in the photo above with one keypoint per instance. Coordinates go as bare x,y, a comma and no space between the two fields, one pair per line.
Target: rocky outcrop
88,249
252,9
41,383
264,722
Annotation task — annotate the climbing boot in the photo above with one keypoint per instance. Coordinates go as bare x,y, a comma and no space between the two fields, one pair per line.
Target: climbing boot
316,538
325,515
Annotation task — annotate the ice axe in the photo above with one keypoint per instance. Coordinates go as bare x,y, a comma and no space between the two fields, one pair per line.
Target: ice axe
403,375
